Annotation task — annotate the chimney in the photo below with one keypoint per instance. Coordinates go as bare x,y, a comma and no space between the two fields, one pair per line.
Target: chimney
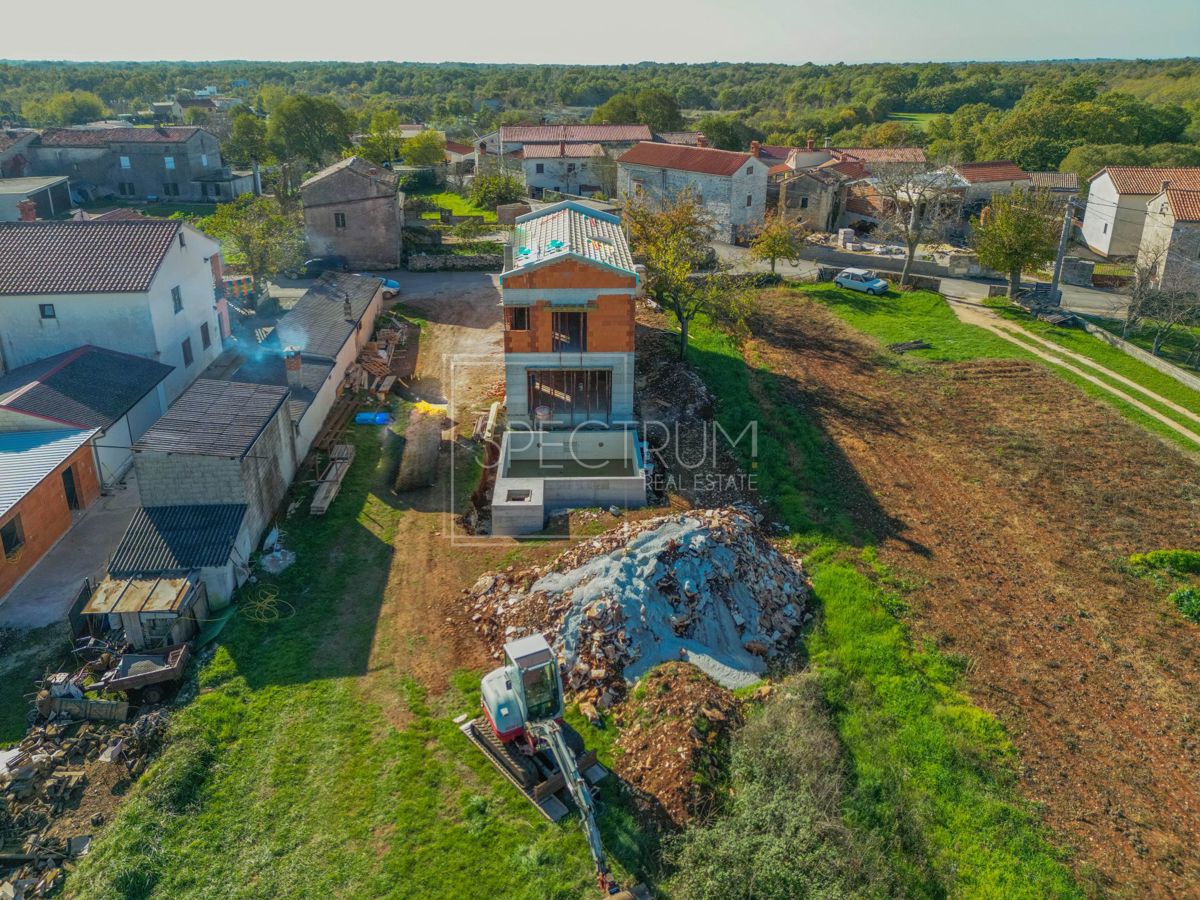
348,309
1163,187
808,144
292,363
508,257
755,149
828,142
28,210
701,141
562,148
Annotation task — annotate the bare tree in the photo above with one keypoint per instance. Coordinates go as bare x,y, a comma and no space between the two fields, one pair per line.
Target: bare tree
1158,312
914,205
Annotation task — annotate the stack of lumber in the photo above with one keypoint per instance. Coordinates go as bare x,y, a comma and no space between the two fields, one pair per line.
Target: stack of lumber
330,482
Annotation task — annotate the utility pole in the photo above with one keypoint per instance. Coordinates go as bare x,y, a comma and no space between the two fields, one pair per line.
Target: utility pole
1063,240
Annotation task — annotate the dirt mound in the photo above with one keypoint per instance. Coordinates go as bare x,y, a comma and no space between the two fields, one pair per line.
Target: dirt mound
674,735
703,586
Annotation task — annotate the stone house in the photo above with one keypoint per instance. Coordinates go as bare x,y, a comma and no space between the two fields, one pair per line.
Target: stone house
731,186
146,287
47,477
613,138
354,209
1170,248
1117,202
566,168
176,163
812,197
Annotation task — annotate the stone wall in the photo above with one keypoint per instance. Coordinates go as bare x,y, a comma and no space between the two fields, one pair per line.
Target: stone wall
452,262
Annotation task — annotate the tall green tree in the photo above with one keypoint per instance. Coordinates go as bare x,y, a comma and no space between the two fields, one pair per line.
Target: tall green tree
651,107
778,239
65,108
426,148
269,240
1018,231
308,129
247,140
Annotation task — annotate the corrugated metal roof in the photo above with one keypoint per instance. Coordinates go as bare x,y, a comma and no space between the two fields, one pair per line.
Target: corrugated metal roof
215,418
26,457
88,386
138,595
171,538
1055,181
30,184
570,228
92,257
318,323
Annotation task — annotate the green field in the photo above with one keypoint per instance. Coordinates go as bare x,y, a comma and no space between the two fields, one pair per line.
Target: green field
456,204
920,120
1178,348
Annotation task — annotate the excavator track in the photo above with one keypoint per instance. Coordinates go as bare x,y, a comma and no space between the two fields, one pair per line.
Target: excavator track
519,767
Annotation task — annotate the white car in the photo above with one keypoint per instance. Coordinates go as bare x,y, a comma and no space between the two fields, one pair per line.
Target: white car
861,280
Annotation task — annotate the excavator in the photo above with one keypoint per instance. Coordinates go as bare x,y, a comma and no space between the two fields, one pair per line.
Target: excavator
523,733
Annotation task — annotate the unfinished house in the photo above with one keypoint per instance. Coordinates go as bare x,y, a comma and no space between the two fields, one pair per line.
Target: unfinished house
568,294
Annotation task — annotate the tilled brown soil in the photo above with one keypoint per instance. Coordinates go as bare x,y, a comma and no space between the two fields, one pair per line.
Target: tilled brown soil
1008,496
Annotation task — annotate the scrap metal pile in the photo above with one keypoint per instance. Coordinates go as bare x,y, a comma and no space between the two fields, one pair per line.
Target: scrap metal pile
703,586
45,777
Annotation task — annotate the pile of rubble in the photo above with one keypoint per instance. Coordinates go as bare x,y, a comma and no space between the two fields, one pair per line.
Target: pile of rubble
45,777
673,743
703,586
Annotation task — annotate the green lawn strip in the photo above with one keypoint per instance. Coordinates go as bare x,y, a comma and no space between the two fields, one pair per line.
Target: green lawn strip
920,120
1176,347
1093,348
280,779
935,775
457,205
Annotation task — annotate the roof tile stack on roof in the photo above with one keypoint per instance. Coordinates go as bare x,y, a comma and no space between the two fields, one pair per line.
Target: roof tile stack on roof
1145,180
569,228
82,257
89,386
1185,205
102,137
26,457
546,134
989,172
215,418
165,538
1054,181
687,159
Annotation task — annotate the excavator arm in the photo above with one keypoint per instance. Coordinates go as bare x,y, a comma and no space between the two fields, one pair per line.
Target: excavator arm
549,734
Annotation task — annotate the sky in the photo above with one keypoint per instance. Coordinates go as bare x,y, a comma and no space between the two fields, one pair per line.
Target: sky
605,31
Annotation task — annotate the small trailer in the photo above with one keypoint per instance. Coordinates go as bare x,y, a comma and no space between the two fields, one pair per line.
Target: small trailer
147,674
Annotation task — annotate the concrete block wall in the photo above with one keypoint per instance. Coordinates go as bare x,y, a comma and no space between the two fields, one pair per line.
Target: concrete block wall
183,479
517,386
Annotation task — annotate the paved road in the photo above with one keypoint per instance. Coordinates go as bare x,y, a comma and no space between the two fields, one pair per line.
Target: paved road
1089,301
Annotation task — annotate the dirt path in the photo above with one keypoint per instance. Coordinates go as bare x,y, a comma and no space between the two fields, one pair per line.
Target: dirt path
1055,354
1007,495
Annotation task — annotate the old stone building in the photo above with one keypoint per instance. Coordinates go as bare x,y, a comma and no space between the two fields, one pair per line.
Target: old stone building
354,209
732,187
169,162
1170,249
811,197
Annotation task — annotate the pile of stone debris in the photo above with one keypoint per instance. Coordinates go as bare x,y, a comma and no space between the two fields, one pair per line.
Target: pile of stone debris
45,776
703,586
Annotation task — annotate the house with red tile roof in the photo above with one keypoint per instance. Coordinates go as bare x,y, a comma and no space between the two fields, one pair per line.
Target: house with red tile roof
1170,248
1118,197
982,180
731,186
145,288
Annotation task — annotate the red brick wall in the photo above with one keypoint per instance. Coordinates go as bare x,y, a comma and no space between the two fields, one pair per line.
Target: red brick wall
570,273
45,516
609,327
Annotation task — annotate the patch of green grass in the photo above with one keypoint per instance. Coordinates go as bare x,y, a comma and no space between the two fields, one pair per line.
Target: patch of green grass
1177,348
913,315
934,777
1172,567
920,120
457,205
23,662
1187,601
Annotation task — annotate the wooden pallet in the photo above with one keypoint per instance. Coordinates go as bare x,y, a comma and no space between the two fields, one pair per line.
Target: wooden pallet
341,458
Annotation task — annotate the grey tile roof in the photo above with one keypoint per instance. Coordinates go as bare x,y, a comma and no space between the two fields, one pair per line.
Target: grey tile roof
102,137
88,386
318,323
264,365
1055,181
570,227
166,538
26,457
82,257
215,418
